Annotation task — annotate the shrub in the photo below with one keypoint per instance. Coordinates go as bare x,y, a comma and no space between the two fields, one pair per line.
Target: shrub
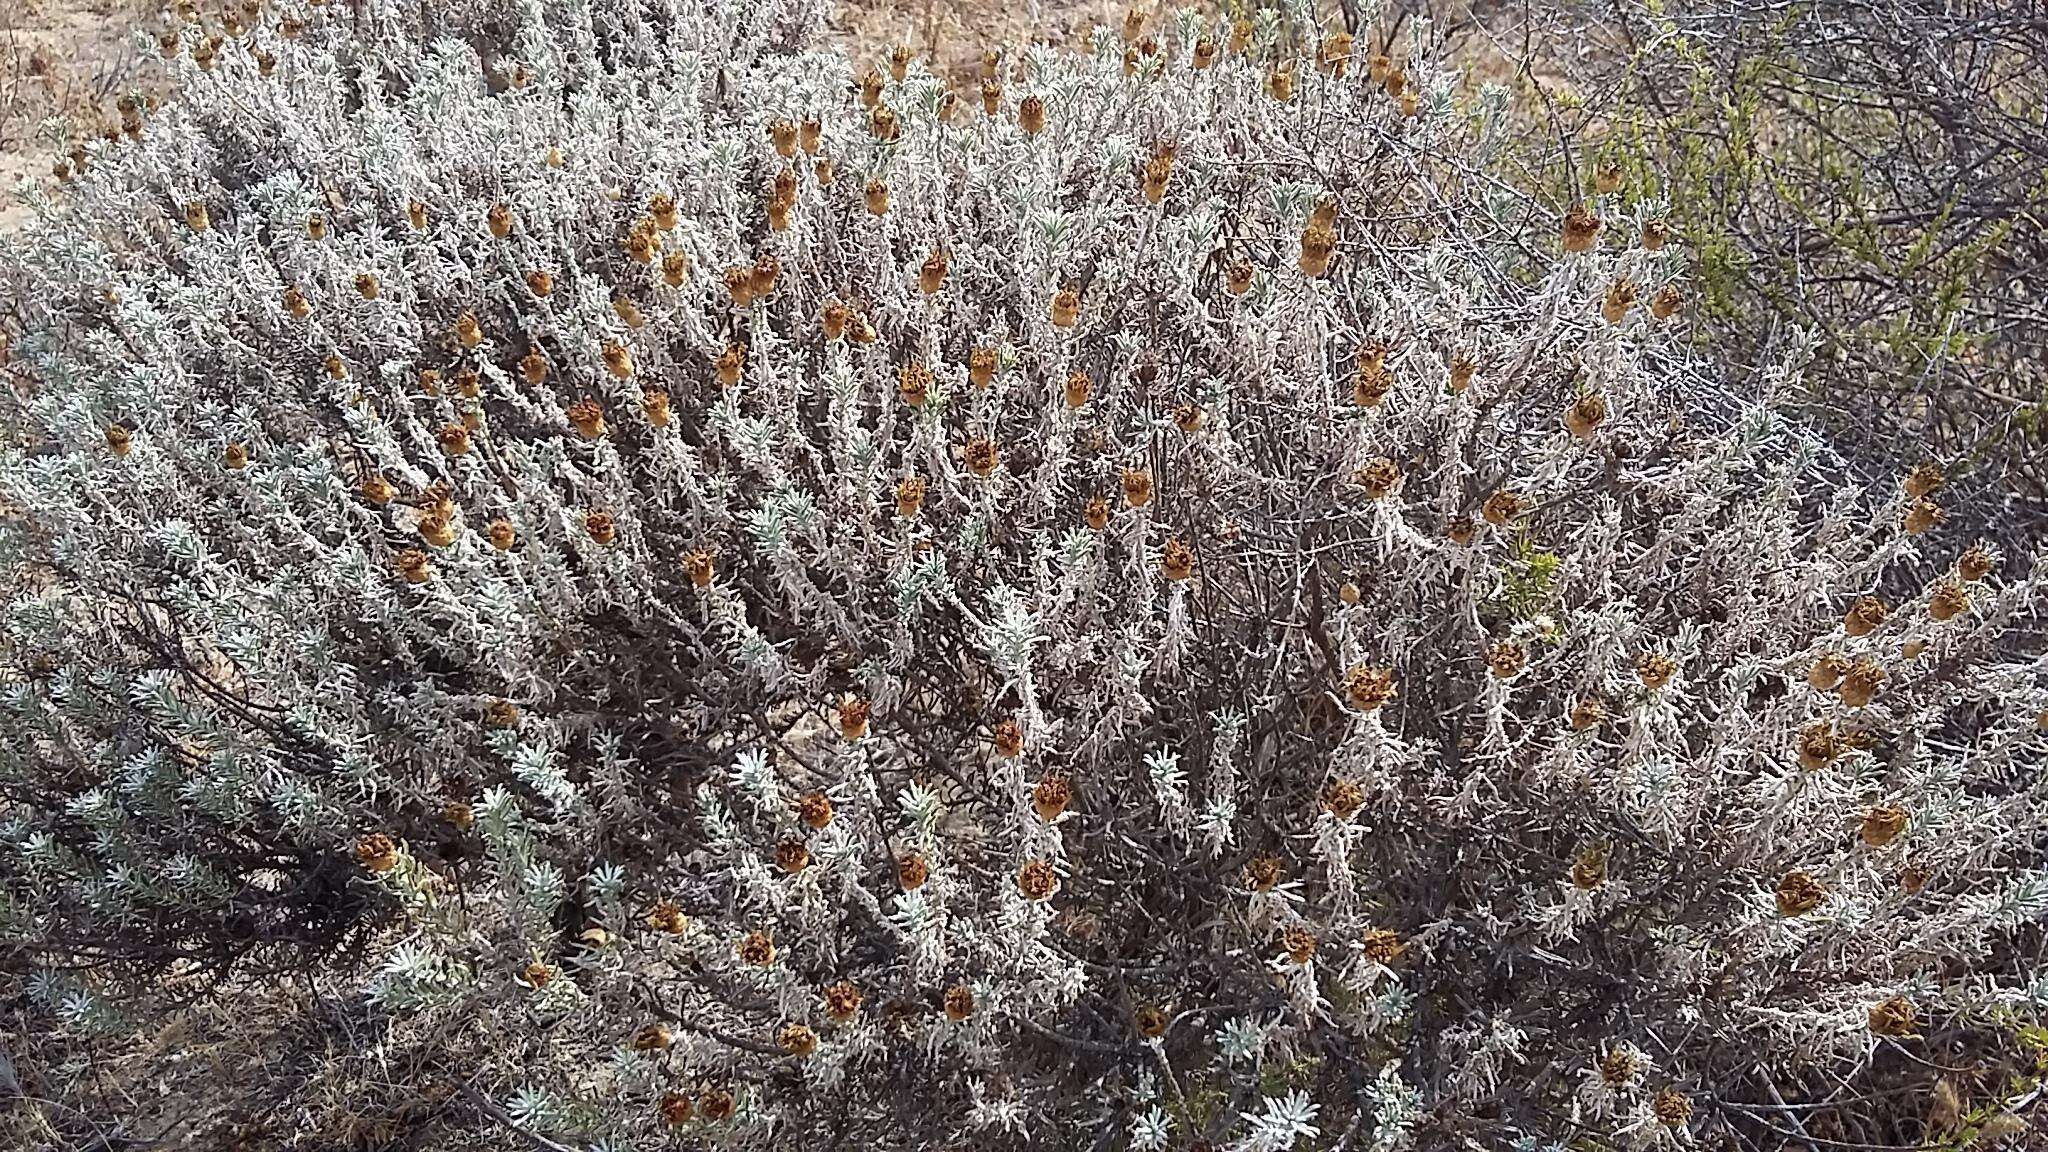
711,593
1873,174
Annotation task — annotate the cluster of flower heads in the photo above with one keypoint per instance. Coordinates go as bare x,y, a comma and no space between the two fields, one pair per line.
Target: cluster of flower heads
1153,595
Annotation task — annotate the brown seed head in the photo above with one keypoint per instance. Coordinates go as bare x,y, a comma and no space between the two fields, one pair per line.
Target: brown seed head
981,456
1589,870
912,872
1798,893
1882,824
757,950
797,1039
717,1105
1978,562
914,384
1865,677
1369,688
1176,561
1051,797
1817,746
1502,506
1342,798
588,418
959,1002
700,568
1580,228
1505,658
853,718
1380,478
1672,1108
1893,1017
666,917
1037,880
1381,945
815,809
1948,601
1655,669
842,1001
792,856
1009,737
1827,672
1066,308
910,496
377,852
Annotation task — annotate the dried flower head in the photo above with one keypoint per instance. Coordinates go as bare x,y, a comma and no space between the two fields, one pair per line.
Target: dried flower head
1672,1108
1828,670
1176,561
1589,868
700,568
1948,600
1586,415
797,1039
1037,880
377,852
1505,658
1342,798
1299,943
853,718
414,566
1009,737
1893,1017
814,809
1882,824
914,384
1381,946
756,949
912,871
910,496
842,1001
1798,893
731,363
1620,1066
1580,228
1655,669
587,417
1369,688
1502,507
1051,797
981,456
717,1106
792,856
666,917
1817,746
1861,683
1380,478
1318,245
1922,517
1977,562
1066,308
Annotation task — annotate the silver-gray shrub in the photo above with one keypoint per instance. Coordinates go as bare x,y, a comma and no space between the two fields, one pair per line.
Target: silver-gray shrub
1401,702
